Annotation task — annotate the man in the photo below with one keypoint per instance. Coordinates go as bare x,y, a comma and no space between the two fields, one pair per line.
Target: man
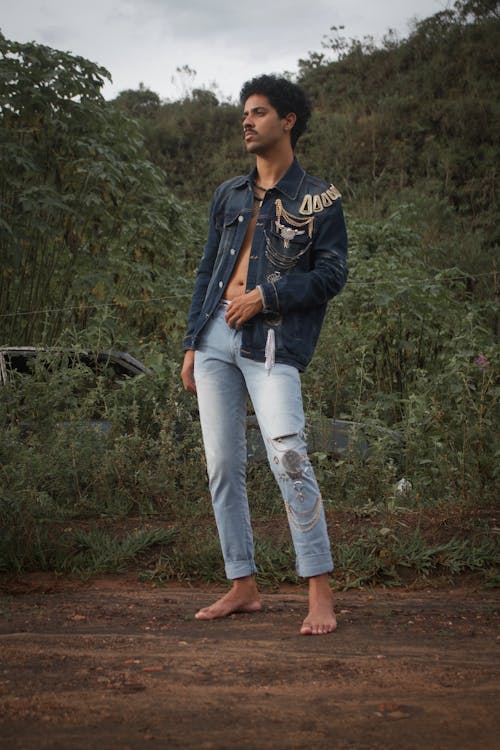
275,255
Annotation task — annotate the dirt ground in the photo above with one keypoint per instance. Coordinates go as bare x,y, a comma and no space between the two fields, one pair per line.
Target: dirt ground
120,665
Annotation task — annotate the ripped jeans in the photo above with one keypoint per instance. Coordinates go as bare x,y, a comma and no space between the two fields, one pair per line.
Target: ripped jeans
223,380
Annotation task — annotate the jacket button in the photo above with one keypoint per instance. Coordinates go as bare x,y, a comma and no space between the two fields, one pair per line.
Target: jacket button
232,251
240,218
220,284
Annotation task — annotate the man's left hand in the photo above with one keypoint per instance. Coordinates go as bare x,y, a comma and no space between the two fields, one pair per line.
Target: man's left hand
243,308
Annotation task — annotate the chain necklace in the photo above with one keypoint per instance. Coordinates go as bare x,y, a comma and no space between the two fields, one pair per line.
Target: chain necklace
258,198
301,224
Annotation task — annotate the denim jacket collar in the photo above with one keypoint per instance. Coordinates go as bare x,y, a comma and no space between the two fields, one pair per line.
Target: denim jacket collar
290,184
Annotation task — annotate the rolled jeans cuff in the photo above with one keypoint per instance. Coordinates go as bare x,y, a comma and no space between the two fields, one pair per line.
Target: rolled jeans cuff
240,569
314,565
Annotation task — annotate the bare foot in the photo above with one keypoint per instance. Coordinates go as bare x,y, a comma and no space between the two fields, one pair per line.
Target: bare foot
243,597
321,617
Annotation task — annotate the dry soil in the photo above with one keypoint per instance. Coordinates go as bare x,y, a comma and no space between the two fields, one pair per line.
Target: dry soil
120,665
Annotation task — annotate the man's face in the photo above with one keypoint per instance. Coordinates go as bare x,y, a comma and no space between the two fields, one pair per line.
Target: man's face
263,128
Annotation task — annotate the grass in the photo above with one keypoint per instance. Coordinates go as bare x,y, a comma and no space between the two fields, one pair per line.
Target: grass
375,543
77,501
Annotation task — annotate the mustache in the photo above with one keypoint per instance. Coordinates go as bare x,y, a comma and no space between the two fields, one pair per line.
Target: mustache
249,130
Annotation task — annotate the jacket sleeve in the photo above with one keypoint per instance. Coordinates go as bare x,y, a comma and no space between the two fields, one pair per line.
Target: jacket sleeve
328,274
203,276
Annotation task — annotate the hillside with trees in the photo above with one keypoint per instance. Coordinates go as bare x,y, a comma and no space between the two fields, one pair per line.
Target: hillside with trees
103,218
415,121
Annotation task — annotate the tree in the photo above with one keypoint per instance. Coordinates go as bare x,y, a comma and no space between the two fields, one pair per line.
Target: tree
477,9
86,219
141,102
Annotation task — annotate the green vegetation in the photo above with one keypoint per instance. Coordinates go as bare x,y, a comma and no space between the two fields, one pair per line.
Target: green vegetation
90,229
102,223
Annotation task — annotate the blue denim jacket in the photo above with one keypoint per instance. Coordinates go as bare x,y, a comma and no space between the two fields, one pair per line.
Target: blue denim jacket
298,257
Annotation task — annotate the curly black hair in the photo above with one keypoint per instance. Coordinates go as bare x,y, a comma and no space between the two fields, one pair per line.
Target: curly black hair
284,96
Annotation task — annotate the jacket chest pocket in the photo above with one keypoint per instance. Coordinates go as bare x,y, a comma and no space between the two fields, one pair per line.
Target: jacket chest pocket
228,227
285,248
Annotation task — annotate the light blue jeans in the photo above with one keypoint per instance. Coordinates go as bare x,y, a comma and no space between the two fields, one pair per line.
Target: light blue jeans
223,380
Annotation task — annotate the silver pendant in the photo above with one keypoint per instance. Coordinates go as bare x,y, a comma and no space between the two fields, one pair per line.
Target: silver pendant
287,234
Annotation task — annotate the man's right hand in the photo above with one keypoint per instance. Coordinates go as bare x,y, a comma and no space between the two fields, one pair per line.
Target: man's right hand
187,372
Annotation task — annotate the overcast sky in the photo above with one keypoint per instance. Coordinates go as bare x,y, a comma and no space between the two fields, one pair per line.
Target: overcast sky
225,41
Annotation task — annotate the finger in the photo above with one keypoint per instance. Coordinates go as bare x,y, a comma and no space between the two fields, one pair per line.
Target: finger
189,384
